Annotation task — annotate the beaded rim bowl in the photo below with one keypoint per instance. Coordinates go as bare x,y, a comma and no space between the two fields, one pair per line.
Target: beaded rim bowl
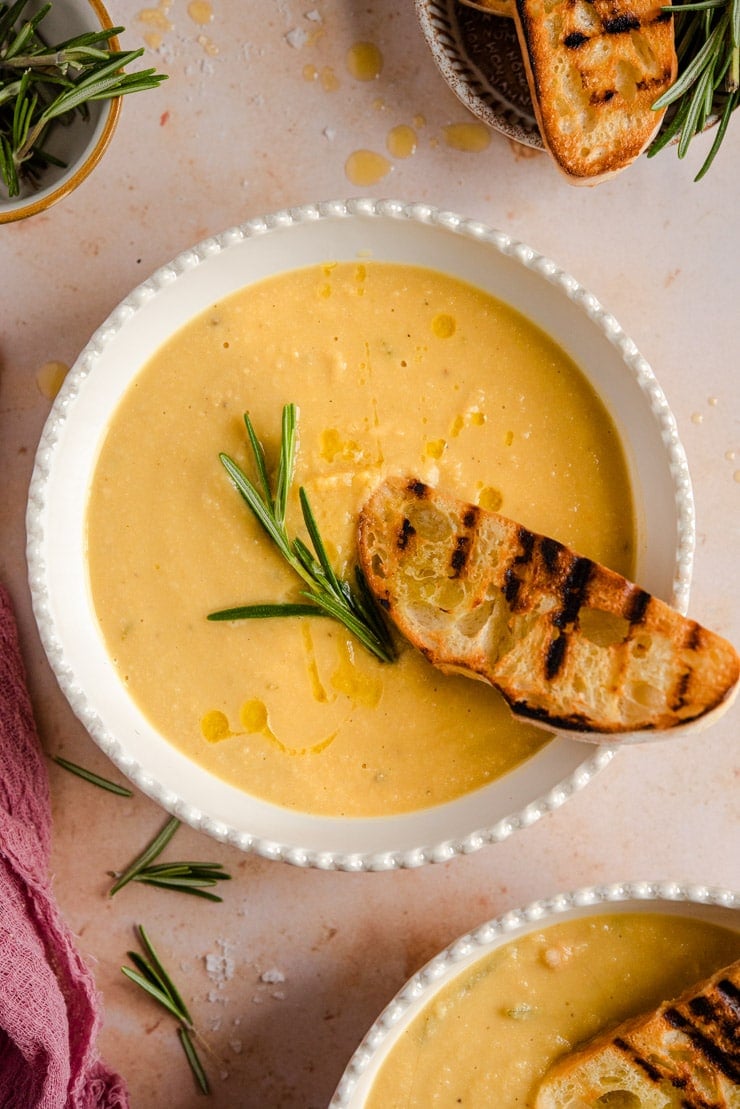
715,905
392,231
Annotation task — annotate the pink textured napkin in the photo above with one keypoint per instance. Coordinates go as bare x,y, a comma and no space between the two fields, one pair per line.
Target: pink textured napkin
49,1009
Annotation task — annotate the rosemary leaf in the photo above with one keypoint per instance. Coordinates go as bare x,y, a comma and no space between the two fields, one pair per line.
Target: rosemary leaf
94,779
152,990
158,969
286,466
149,853
318,545
326,592
192,1057
258,612
730,106
182,887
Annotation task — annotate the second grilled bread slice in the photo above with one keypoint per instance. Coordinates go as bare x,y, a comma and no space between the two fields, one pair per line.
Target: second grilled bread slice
685,1055
570,644
595,68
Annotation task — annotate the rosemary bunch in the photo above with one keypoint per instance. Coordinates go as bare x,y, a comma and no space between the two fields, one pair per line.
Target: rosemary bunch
324,592
708,49
44,85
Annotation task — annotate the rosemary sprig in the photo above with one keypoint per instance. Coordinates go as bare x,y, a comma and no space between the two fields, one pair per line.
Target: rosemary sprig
94,779
42,86
151,976
328,594
185,877
706,89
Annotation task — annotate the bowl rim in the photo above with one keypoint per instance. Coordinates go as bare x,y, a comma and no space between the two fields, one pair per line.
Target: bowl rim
439,26
437,972
421,842
22,207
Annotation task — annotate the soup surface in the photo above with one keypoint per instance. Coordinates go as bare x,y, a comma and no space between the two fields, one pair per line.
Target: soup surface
395,369
490,1035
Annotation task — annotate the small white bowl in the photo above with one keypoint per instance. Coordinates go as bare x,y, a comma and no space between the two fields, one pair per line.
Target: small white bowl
715,906
391,231
80,145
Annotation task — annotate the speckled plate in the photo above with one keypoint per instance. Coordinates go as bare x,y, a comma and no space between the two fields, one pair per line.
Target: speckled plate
391,231
715,906
478,55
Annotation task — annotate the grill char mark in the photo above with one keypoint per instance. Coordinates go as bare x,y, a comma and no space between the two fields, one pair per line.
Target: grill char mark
637,606
550,550
620,24
463,543
650,1070
407,531
512,583
418,488
573,592
555,656
460,555
692,642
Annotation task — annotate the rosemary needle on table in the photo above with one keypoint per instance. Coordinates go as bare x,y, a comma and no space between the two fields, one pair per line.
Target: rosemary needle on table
325,593
94,779
152,977
44,85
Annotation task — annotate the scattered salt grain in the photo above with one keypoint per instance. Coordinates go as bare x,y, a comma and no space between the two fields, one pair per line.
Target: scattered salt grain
297,38
220,964
314,16
236,1046
272,976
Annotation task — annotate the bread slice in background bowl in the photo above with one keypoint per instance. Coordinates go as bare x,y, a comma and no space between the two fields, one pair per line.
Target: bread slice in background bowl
446,981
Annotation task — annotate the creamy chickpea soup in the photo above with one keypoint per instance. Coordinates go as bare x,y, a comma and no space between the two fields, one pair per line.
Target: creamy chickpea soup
395,369
488,1037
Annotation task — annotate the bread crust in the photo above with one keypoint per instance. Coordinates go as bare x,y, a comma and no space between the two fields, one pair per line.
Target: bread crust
571,645
684,1055
595,68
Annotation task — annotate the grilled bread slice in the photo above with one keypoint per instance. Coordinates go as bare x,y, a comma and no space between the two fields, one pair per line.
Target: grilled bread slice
685,1055
595,68
571,645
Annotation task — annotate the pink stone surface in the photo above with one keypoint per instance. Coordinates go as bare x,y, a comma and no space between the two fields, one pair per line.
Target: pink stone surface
261,111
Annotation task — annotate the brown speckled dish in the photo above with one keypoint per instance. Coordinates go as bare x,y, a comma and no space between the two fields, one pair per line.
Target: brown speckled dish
479,57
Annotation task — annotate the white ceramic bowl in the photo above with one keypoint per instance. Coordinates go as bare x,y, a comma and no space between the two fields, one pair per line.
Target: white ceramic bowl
339,230
716,906
80,145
